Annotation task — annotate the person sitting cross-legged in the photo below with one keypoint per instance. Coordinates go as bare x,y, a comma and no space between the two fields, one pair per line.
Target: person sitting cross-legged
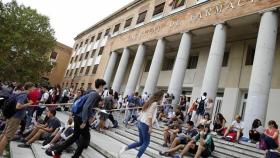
201,145
182,139
171,130
42,130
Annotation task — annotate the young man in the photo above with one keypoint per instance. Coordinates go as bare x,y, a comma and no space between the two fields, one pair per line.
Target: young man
13,123
42,130
109,104
236,127
200,110
43,100
81,122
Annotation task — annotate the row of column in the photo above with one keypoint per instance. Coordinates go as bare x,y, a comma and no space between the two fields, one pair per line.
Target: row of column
260,78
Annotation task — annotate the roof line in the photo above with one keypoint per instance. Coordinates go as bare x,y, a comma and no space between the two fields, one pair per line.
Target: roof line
106,19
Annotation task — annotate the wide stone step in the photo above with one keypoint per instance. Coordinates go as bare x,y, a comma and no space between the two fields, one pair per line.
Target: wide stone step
16,152
92,153
40,153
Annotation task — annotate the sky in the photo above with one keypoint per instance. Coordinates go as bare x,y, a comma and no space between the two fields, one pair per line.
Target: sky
71,17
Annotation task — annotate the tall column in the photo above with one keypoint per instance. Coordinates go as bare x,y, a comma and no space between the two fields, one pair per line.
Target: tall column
121,70
214,63
135,70
110,68
260,81
155,68
179,70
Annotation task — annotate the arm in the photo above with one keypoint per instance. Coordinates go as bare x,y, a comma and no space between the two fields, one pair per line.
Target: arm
22,106
90,100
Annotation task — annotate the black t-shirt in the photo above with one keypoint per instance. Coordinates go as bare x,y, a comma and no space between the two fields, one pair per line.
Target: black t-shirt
53,123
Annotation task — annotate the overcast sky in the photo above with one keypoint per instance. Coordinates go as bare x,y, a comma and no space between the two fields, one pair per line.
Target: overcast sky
70,17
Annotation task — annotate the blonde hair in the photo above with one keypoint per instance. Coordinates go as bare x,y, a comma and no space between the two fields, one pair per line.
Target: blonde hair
154,98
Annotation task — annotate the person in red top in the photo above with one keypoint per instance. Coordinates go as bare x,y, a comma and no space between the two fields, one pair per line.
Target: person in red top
34,96
271,135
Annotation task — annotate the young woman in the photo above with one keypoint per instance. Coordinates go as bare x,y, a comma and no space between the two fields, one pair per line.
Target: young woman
219,124
271,135
256,131
206,120
146,118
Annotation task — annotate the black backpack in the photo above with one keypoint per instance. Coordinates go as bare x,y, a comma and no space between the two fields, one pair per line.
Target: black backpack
200,108
9,107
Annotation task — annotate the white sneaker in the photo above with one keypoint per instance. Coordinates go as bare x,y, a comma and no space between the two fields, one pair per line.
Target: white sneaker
46,146
123,149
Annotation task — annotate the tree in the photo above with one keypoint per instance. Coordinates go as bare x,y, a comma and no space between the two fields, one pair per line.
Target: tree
26,39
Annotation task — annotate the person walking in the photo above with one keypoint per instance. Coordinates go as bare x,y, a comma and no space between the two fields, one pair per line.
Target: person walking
145,125
82,116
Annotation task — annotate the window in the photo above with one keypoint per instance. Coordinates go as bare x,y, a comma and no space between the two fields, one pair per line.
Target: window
107,32
86,42
192,62
67,73
92,39
99,36
250,55
81,57
177,3
76,58
87,70
141,17
86,56
76,71
225,59
168,64
82,70
76,47
71,72
53,55
81,44
71,59
148,65
94,69
127,23
89,86
159,9
117,28
93,53
101,51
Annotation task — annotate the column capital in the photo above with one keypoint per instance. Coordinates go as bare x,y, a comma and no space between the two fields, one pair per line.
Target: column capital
188,32
274,9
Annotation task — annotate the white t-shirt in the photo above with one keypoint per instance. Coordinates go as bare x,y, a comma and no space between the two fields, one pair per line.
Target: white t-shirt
44,97
151,112
237,126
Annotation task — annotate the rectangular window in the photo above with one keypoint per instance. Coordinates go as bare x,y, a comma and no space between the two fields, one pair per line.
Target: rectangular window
94,69
87,70
250,55
67,73
148,65
71,59
93,53
82,70
76,58
81,57
159,9
89,86
99,36
76,47
87,53
86,42
128,23
117,28
101,51
71,72
76,71
225,59
177,3
141,17
168,64
81,44
53,55
92,39
192,62
107,32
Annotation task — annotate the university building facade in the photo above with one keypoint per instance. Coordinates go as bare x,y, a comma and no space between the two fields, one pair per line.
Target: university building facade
227,48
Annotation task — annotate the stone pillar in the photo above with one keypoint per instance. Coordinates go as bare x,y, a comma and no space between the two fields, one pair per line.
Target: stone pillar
179,69
110,68
135,70
214,63
260,81
155,68
121,71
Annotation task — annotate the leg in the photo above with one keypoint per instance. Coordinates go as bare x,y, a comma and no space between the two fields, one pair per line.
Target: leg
166,136
175,143
172,137
227,131
141,137
36,137
34,131
83,141
55,139
146,139
174,149
199,151
238,135
186,149
3,144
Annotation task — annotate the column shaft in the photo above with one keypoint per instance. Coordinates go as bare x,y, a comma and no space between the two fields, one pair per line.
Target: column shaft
155,68
121,71
135,70
179,69
260,81
110,68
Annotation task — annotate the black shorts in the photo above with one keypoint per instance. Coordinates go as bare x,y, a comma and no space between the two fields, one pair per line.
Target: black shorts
204,154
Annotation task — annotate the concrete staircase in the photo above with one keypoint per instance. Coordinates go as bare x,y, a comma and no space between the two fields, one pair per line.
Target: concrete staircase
107,145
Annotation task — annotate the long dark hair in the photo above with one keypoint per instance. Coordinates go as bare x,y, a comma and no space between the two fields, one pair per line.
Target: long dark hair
256,123
220,117
154,98
272,122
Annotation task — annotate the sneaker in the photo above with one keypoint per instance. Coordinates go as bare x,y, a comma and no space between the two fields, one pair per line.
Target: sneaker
165,145
46,146
123,149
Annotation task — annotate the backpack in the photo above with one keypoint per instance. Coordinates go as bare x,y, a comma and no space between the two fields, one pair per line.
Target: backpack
201,105
78,105
9,107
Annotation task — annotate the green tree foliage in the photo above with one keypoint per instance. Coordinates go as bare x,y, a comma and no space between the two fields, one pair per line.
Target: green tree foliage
26,39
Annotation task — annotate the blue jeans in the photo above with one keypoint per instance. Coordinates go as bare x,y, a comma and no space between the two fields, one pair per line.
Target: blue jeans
144,139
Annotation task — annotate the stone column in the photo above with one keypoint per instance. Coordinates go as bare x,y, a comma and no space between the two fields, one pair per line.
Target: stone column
214,63
135,70
179,69
121,71
110,68
155,68
260,81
